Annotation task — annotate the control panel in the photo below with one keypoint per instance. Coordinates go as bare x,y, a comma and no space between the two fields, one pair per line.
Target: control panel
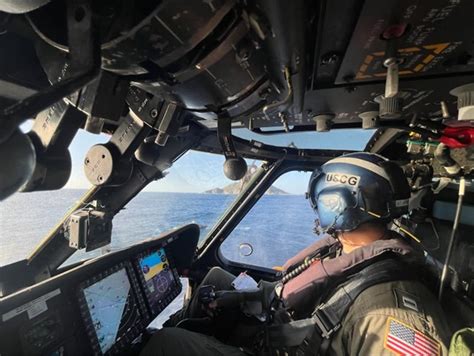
160,281
100,307
113,312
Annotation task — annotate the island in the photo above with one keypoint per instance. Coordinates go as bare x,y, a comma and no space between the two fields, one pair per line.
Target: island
235,188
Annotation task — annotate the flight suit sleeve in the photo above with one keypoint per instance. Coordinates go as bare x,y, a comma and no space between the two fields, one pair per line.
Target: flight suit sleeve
390,319
392,334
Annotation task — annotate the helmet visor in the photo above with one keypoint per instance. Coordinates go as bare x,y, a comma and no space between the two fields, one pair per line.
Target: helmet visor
331,203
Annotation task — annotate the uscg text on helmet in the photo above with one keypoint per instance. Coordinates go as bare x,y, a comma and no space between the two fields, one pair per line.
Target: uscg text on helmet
341,178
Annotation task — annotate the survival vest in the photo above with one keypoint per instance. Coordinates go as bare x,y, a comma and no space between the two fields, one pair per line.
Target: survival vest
313,280
335,283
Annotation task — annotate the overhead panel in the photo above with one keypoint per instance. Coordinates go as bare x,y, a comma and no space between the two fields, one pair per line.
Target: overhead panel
437,40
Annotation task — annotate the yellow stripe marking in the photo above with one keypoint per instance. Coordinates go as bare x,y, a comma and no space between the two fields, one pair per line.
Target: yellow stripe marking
418,67
368,59
438,48
409,50
428,58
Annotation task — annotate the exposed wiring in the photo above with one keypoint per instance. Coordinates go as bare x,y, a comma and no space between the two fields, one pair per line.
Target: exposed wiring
408,233
399,226
457,217
435,230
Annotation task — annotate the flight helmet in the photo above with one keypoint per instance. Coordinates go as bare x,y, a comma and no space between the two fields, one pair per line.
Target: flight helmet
353,189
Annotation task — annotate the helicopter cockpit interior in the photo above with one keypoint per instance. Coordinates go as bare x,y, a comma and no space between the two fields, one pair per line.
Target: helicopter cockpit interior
160,78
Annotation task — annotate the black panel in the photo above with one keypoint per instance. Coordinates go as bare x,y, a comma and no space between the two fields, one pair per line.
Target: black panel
421,96
438,39
437,50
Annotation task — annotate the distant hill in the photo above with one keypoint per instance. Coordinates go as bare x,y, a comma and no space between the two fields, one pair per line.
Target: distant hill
235,188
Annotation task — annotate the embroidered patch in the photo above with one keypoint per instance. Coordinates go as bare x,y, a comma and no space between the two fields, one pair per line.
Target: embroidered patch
405,300
404,340
409,303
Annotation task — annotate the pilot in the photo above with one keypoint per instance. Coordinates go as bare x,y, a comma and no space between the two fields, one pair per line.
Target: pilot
357,198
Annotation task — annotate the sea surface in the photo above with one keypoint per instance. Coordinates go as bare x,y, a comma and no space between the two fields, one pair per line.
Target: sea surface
276,228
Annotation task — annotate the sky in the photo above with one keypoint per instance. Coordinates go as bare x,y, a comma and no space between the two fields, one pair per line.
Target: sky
197,172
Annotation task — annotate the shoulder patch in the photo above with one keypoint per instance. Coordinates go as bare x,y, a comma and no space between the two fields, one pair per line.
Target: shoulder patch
405,340
405,300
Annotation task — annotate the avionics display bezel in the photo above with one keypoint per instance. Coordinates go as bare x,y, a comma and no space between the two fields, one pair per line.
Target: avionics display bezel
173,292
135,331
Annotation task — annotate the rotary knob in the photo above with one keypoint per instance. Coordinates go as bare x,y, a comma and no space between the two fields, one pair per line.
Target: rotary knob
389,108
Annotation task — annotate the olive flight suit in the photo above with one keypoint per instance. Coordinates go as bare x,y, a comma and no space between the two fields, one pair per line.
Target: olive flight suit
401,317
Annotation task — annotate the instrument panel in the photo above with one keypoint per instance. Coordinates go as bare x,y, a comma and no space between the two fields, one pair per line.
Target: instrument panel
160,282
100,307
113,312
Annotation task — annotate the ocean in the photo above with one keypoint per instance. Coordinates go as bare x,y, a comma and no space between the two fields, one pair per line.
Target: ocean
276,228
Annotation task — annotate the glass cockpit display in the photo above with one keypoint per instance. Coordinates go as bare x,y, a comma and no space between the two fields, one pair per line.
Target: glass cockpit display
158,276
112,307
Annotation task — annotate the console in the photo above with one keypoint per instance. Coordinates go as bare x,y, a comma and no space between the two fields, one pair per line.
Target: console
101,306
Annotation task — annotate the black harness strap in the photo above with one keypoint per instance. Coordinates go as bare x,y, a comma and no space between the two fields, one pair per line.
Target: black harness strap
313,335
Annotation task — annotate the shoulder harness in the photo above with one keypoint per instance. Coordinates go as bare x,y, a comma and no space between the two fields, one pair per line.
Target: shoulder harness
312,336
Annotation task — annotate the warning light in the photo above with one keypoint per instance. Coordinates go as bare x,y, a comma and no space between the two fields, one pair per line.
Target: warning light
394,31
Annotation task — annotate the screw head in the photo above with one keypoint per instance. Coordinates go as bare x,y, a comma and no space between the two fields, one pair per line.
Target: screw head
329,58
154,113
265,93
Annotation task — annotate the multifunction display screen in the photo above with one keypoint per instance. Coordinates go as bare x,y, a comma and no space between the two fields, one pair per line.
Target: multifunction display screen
113,308
159,277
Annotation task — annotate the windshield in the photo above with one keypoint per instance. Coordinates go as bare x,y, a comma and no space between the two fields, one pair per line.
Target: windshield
340,139
194,190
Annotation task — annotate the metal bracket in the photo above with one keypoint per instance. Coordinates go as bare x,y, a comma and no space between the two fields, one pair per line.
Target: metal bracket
110,164
235,166
52,133
89,228
85,60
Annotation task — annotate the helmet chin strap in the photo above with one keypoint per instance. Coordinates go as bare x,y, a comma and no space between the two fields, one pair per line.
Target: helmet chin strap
317,227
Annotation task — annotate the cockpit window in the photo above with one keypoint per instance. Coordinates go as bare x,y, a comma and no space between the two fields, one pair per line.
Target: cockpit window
25,218
276,228
345,139
194,191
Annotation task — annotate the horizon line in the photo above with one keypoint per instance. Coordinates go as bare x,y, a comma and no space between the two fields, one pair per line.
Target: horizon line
174,192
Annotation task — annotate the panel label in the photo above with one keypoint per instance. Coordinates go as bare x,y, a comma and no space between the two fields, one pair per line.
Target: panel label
33,308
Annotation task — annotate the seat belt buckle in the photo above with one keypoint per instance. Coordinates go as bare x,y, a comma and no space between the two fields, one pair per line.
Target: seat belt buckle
324,324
